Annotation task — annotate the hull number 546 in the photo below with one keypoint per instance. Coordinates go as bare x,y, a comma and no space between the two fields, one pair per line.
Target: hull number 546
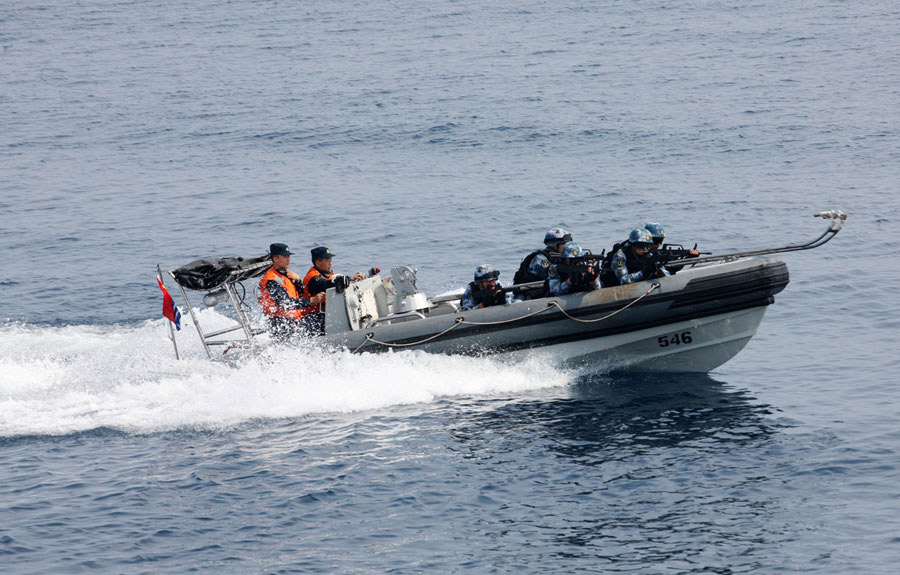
675,339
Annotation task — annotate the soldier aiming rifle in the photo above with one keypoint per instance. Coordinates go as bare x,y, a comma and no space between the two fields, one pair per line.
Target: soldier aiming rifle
577,270
669,252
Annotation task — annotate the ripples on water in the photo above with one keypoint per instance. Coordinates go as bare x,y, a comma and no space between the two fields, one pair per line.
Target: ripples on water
611,474
442,135
408,462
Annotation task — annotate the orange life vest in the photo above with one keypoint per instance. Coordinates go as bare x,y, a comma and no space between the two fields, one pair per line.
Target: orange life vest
315,308
268,303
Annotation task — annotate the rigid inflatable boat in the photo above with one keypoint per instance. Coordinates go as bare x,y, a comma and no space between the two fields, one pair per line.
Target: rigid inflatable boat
693,321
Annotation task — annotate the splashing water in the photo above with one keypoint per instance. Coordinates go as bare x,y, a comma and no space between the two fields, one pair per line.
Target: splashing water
60,380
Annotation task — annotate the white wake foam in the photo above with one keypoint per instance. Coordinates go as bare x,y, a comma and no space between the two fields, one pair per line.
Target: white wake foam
59,380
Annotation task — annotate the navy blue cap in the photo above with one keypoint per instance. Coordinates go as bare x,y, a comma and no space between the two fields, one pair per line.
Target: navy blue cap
321,253
280,250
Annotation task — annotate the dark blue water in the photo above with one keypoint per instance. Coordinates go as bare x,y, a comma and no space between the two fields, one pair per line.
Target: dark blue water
442,135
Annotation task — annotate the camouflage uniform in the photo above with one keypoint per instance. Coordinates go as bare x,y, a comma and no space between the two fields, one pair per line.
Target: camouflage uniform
558,285
540,266
483,273
466,302
619,266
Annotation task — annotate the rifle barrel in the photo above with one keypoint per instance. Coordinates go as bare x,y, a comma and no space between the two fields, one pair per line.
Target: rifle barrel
522,287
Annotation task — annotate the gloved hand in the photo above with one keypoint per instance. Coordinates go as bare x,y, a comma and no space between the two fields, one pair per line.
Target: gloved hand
340,283
498,297
650,269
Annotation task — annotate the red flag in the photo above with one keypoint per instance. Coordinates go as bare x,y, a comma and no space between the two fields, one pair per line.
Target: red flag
169,309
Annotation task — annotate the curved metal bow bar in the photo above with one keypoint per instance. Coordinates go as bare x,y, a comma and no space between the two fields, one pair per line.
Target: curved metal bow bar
837,223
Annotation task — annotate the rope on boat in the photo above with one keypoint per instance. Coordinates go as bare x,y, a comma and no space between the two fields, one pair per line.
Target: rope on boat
427,339
623,308
542,310
460,321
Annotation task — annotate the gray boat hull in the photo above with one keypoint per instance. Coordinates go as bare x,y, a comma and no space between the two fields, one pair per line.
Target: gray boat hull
692,322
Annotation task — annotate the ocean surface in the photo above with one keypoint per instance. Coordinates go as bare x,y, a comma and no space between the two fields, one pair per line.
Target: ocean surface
442,135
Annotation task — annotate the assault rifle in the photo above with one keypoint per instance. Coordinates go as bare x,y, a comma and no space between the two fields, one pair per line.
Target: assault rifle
497,296
671,252
587,264
666,254
584,264
523,287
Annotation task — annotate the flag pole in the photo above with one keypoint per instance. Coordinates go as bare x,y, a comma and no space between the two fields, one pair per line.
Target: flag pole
171,331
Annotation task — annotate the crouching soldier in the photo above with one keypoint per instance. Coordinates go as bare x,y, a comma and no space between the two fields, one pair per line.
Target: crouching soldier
633,260
577,271
669,252
484,291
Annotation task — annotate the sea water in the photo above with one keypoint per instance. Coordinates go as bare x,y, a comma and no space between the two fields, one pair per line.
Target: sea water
442,135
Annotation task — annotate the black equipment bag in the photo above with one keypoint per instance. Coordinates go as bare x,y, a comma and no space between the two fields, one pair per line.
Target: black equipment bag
210,273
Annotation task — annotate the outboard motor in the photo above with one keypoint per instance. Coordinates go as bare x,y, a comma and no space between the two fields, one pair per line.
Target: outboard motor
406,295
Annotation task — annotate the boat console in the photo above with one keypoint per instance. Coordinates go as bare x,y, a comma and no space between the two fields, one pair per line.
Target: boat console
378,300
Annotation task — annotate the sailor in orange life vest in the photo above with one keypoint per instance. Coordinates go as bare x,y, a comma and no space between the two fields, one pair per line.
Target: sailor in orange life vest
279,295
318,279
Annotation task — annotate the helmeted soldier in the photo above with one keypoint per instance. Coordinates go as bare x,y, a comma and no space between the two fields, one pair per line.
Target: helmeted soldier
632,261
659,236
572,273
483,291
536,265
